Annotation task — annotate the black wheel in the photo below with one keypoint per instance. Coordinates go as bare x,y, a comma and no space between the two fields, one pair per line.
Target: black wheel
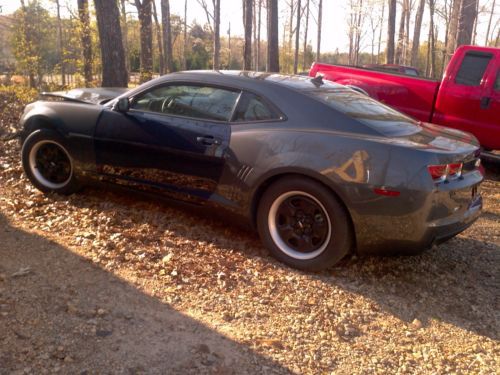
47,163
303,224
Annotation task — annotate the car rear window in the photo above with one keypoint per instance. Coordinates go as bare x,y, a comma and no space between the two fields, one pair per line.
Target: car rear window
366,110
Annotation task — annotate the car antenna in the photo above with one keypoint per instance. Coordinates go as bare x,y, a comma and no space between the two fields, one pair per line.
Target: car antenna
318,80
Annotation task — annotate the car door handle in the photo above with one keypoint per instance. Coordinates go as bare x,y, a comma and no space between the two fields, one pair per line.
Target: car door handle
208,140
485,102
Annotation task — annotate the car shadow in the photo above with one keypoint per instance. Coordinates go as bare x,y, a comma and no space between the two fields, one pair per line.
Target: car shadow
453,282
61,313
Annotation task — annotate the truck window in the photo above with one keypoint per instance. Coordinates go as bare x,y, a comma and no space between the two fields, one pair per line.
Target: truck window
411,72
472,69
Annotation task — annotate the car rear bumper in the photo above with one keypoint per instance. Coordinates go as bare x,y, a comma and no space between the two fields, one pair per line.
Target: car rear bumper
434,218
447,229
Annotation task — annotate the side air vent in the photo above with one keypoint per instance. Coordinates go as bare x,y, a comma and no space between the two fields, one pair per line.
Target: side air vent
244,172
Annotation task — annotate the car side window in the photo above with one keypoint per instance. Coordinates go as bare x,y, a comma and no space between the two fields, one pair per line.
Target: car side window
202,102
472,70
253,108
497,82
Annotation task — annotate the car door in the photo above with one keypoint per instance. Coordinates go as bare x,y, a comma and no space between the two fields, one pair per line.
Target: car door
172,140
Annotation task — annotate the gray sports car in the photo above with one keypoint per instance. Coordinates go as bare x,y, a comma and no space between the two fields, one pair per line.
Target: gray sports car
317,168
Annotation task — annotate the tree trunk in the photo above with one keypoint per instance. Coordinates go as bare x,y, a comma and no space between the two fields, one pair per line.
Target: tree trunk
273,59
474,30
26,39
432,38
161,59
114,73
446,16
428,54
229,57
167,36
320,16
306,29
357,34
468,16
416,33
184,61
352,22
146,37
60,44
406,51
254,37
290,36
257,59
380,32
247,49
297,40
451,44
401,35
489,24
83,15
125,33
216,57
391,30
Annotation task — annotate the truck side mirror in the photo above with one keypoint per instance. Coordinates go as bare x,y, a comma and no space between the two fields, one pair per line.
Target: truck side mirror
123,105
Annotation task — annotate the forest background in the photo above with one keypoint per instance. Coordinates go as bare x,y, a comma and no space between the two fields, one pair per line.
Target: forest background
65,43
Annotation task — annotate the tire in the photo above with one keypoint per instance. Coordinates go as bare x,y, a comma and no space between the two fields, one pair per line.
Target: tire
48,164
303,224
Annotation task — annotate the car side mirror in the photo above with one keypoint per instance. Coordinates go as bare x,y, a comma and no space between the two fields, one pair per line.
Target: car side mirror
123,105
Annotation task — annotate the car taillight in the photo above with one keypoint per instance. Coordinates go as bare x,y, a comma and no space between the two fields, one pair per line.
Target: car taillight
443,171
455,169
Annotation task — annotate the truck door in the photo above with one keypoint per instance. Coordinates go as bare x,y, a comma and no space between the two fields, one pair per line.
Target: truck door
489,113
460,103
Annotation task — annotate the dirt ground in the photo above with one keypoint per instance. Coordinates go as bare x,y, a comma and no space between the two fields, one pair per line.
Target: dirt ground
105,282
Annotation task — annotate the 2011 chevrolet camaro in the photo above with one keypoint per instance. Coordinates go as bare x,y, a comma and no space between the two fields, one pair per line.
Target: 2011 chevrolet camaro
317,168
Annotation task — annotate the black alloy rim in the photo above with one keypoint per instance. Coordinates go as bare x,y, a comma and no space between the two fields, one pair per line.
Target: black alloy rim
53,163
302,224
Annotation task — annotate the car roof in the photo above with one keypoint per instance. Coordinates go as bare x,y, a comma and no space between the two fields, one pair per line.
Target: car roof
242,79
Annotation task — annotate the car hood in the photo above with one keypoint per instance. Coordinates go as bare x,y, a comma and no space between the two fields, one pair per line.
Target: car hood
86,95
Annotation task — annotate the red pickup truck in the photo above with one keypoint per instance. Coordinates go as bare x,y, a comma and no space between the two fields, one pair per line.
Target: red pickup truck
468,97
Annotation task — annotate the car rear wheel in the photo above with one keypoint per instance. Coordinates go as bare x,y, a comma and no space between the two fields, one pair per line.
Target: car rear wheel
47,163
303,224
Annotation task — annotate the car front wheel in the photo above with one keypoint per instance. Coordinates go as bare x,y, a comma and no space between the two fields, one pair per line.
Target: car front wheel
303,224
48,164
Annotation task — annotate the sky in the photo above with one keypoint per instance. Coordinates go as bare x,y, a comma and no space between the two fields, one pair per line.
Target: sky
335,16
